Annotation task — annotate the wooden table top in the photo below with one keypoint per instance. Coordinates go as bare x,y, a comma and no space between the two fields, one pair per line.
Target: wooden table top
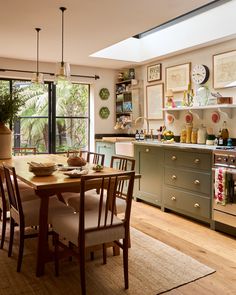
56,180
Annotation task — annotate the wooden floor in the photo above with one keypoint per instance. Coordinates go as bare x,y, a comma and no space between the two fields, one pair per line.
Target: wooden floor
212,248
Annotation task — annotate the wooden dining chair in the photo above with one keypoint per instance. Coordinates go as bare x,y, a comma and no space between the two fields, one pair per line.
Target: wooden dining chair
26,214
23,151
87,229
3,211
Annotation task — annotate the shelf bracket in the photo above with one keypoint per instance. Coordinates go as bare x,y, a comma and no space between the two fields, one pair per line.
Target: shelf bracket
227,111
198,113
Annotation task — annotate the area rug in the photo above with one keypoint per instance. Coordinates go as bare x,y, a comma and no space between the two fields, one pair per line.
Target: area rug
154,268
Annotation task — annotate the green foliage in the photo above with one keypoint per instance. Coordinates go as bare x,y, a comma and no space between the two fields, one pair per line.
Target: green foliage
10,104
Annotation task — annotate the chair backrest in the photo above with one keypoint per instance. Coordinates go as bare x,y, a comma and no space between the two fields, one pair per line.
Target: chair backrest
93,158
22,151
105,217
73,152
13,194
3,202
122,163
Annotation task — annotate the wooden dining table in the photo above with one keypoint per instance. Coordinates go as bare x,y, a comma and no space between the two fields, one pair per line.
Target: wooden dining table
46,187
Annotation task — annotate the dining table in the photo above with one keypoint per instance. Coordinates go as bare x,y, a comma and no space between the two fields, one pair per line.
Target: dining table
46,187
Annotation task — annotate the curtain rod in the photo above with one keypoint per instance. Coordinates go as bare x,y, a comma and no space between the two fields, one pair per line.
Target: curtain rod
96,77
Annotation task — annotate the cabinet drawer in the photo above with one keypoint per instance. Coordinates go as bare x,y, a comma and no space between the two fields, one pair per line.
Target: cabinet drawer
188,159
187,202
196,181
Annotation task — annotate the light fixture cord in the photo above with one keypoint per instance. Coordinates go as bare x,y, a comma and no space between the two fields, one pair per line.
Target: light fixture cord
37,61
62,34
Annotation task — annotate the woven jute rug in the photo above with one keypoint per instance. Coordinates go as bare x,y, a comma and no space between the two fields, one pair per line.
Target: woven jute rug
154,268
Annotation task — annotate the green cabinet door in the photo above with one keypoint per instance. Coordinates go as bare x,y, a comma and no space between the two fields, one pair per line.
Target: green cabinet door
106,148
149,163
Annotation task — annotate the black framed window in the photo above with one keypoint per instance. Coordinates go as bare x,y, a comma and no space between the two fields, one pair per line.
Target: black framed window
54,118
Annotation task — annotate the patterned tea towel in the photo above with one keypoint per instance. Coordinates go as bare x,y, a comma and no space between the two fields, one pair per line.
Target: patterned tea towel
220,185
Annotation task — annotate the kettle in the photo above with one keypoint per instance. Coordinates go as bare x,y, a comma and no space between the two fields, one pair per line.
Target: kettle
201,135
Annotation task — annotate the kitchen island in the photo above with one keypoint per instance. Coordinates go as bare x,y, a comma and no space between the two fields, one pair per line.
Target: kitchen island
175,176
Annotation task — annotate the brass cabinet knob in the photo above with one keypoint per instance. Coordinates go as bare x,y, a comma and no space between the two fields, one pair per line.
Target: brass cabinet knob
173,177
173,158
147,150
173,198
196,161
196,181
196,205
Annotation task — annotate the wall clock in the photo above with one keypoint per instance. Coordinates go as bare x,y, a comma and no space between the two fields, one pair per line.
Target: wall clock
200,74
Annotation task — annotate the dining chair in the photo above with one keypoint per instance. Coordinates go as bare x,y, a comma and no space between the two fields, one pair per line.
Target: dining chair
117,162
3,212
23,151
26,214
84,230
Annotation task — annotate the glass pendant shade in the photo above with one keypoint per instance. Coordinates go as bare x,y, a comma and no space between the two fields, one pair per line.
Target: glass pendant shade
62,74
37,78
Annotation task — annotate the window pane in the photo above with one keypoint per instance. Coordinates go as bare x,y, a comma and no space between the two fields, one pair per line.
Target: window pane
71,133
72,100
4,87
34,133
36,99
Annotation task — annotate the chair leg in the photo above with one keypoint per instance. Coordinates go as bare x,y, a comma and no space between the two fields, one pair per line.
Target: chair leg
21,248
82,271
4,222
92,255
12,225
125,262
104,251
56,253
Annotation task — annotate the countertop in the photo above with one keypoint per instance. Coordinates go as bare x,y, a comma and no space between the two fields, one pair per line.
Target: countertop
176,145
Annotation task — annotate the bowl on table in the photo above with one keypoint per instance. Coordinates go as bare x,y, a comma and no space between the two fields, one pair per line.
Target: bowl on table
42,169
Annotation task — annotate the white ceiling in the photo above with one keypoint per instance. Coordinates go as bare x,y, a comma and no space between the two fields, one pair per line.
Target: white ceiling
90,25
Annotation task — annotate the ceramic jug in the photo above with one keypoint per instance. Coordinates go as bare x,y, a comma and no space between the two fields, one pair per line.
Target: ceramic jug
201,135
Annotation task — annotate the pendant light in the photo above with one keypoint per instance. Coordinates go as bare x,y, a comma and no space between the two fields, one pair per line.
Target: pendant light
62,68
37,78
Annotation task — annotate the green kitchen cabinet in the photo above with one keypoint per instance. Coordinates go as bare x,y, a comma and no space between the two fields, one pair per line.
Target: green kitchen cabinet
106,148
149,163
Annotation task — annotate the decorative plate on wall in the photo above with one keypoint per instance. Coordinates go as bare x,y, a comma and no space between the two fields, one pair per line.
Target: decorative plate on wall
104,93
104,112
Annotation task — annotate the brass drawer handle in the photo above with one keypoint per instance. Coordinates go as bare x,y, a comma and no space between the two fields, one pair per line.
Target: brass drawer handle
173,198
147,150
173,158
197,161
196,181
196,205
173,177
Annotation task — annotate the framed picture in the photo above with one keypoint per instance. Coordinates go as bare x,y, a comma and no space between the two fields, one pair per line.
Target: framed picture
154,100
178,77
154,73
224,69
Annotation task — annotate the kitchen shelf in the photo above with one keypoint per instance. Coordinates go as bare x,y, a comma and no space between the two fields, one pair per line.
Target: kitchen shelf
198,110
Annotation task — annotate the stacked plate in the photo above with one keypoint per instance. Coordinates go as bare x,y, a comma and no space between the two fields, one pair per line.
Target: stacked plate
42,169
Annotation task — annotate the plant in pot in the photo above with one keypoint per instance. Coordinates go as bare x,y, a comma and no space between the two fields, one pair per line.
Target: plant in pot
10,104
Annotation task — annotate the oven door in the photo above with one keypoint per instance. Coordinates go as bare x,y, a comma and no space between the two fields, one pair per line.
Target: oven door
224,195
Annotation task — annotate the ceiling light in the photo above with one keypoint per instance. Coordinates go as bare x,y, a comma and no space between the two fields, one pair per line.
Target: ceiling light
62,68
37,78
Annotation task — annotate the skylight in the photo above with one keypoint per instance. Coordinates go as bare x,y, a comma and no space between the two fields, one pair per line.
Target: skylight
215,24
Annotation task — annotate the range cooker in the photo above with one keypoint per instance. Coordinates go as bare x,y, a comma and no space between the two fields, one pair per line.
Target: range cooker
224,178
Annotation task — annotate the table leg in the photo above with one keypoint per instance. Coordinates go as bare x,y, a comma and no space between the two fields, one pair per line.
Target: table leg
42,250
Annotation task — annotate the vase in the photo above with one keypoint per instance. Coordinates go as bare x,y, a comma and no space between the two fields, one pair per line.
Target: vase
5,142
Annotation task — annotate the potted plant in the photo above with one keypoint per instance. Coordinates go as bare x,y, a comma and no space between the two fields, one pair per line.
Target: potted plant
10,104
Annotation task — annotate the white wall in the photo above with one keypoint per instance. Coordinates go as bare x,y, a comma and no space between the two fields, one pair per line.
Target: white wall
107,80
200,56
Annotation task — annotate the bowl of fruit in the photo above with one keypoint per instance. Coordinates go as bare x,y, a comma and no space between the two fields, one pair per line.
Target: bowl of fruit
168,134
98,168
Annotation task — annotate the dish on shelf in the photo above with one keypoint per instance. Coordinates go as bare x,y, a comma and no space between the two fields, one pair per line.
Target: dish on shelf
215,117
76,173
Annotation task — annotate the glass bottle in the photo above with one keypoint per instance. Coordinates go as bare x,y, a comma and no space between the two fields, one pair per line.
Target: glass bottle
189,128
225,133
141,135
137,136
194,135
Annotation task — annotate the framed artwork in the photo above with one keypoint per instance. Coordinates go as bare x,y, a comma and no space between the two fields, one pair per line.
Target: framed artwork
224,69
154,73
178,77
154,100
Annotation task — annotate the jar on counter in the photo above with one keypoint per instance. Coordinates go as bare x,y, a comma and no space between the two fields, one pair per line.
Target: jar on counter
189,128
194,135
183,135
201,135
